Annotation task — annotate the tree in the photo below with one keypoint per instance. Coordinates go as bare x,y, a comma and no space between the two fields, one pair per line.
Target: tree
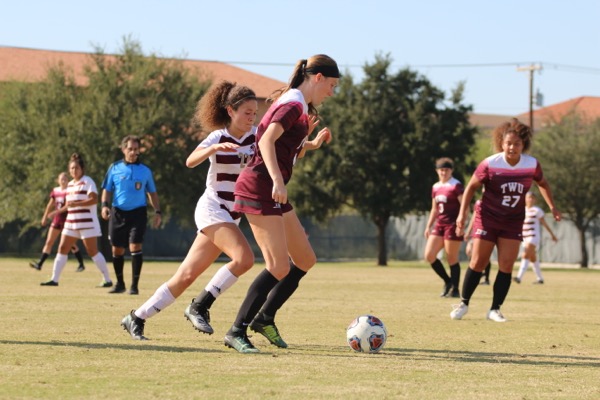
43,123
568,151
388,131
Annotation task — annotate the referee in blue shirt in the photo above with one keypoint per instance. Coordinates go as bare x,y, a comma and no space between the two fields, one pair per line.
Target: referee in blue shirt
129,183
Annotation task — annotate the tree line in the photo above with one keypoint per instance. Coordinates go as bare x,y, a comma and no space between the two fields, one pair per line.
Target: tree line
388,130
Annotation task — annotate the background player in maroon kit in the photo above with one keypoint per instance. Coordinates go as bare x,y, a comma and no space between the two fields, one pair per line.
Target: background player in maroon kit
507,177
260,193
56,202
446,196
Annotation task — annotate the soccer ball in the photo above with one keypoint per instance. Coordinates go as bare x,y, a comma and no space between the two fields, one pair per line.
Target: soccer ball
366,334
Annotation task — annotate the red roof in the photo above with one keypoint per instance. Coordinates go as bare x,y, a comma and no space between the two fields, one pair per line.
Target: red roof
30,65
587,106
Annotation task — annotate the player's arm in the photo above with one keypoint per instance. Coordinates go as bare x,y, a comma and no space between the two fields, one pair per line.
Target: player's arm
106,197
48,210
201,154
472,187
153,197
433,213
545,225
546,193
267,149
90,201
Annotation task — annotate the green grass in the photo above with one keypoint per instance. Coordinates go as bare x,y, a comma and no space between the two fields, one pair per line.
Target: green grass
65,342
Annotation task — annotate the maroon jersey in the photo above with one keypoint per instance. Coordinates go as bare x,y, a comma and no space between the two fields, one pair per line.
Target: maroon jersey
58,194
446,197
291,111
503,200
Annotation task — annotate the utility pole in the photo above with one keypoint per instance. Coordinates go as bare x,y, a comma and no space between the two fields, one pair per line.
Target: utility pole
531,69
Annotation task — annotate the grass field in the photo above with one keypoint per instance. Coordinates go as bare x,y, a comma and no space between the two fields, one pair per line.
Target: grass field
66,343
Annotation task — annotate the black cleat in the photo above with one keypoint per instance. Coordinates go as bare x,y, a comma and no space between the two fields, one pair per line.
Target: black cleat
35,265
49,283
134,325
270,331
134,290
81,268
199,319
240,342
105,284
455,293
119,288
446,290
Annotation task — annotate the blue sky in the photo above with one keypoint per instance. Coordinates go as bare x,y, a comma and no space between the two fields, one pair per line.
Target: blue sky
481,42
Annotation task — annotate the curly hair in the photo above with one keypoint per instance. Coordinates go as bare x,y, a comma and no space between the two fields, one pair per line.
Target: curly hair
211,110
513,126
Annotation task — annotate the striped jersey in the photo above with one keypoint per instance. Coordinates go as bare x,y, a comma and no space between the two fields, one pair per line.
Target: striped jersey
446,196
291,111
531,224
503,199
86,217
225,166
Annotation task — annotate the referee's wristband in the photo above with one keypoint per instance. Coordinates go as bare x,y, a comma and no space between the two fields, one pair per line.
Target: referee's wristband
105,204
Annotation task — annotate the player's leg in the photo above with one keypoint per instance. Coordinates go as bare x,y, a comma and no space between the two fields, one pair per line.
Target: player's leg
53,234
434,244
508,251
452,248
90,241
66,241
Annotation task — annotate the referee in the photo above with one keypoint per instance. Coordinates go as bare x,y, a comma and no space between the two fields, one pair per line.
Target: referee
127,182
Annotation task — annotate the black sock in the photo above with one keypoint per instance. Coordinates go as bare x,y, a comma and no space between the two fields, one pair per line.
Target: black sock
118,262
439,269
282,292
501,286
486,273
255,298
79,257
472,279
43,258
137,259
455,275
203,301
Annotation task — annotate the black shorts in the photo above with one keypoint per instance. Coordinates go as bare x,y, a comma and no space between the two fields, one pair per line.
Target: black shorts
126,227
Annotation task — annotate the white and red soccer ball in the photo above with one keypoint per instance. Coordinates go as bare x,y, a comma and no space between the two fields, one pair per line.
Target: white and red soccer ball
366,334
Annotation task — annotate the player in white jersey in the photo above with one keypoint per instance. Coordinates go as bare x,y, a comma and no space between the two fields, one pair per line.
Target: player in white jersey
229,110
81,223
534,217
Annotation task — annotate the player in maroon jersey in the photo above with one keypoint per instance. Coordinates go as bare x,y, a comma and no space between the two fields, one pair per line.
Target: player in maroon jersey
446,196
506,177
55,203
260,193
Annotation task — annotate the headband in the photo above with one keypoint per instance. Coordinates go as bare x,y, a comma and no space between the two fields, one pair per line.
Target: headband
444,164
329,71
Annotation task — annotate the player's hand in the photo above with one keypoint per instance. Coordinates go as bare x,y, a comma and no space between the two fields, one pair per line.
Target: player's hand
556,214
312,123
279,193
105,213
157,221
227,147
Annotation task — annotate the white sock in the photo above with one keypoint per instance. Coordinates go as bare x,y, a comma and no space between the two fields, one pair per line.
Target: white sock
538,270
100,262
160,300
524,265
59,264
221,281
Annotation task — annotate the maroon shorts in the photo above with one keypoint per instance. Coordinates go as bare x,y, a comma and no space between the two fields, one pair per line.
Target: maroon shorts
260,207
448,232
491,232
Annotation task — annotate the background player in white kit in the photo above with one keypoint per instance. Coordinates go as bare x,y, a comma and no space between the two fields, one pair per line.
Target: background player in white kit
532,235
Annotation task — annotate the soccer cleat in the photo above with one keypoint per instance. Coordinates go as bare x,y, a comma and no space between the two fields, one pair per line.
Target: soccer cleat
105,284
240,342
134,325
270,331
459,311
49,283
119,288
134,290
516,280
199,318
496,316
81,268
446,290
539,282
35,265
486,283
455,293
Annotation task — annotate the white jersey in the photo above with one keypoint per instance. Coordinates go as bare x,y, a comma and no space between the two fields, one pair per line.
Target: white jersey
80,218
531,224
224,169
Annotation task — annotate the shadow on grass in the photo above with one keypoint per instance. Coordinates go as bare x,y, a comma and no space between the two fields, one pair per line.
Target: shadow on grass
460,356
138,346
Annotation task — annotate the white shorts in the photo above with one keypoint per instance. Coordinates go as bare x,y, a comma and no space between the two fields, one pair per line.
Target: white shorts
534,240
83,233
209,212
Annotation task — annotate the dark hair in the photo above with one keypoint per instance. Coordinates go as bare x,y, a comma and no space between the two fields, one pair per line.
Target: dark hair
211,111
513,126
444,162
317,64
75,157
131,138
